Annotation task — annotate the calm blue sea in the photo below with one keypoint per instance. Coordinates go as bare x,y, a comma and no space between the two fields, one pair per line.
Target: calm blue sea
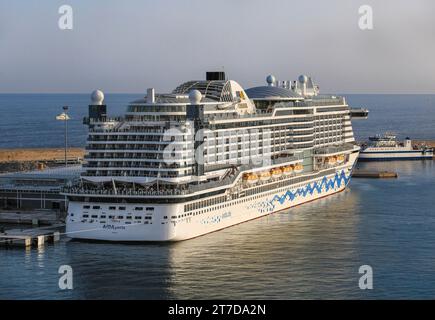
310,251
28,120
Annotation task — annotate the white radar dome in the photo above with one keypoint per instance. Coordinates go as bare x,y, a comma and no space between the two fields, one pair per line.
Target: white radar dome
97,97
270,79
303,78
195,97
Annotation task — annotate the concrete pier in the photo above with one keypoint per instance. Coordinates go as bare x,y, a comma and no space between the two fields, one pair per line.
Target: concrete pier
374,174
35,217
35,237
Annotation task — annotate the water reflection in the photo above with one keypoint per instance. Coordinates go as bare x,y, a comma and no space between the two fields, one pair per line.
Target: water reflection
310,251
283,255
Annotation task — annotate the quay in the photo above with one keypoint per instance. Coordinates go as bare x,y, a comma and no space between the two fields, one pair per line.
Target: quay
374,174
34,237
36,217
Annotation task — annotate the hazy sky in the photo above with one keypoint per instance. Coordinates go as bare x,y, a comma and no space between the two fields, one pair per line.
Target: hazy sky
127,46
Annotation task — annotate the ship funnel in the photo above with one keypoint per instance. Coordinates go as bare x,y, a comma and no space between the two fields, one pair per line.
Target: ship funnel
151,97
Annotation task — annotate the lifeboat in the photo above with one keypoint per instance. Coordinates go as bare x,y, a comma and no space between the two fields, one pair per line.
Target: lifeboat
288,170
332,160
299,168
340,158
276,173
265,175
250,178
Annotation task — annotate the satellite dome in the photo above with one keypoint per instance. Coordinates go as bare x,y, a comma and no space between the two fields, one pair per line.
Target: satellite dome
195,96
270,79
303,78
97,97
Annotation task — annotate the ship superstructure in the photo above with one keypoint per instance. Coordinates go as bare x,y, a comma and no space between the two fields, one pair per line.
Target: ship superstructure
207,156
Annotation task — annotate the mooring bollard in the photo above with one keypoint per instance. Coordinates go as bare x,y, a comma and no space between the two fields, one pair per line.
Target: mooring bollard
41,240
56,236
28,242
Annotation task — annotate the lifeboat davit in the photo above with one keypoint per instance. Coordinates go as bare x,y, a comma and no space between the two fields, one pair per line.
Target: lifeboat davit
276,173
299,168
288,170
265,175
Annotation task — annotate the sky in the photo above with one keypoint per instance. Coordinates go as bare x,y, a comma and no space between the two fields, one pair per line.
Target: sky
128,46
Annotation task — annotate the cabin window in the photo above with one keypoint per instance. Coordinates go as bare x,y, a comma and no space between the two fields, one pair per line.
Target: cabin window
96,207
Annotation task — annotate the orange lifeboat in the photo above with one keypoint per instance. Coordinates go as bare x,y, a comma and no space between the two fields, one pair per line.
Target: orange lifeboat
250,178
332,160
299,168
340,158
265,175
287,170
276,172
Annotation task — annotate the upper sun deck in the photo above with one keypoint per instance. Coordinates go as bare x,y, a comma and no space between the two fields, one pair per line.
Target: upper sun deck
169,99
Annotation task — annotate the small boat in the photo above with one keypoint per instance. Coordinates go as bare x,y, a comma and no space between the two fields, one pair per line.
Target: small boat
265,175
250,178
340,158
332,160
276,172
299,168
287,170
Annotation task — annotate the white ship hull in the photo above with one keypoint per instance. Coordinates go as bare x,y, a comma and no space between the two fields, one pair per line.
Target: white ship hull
233,212
394,155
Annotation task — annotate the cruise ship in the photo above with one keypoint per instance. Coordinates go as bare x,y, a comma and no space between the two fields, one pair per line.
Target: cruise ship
387,148
207,156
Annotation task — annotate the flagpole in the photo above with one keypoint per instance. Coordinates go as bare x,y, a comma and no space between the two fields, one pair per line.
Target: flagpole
65,109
